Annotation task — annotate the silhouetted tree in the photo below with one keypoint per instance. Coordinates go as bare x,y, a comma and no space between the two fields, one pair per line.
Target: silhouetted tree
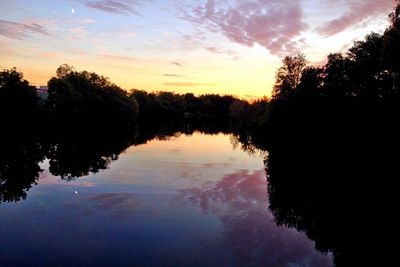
144,100
192,104
289,75
391,41
89,100
18,101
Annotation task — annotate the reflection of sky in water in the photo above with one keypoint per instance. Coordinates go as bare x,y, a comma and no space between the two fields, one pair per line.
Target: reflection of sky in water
191,201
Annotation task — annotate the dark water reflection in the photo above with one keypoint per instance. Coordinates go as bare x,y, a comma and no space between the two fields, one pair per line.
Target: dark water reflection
185,200
239,200
19,166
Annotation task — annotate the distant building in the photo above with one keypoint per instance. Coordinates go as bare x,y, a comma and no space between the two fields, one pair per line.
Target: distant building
42,91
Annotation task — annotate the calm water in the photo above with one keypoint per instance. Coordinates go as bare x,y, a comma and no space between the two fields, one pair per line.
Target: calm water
188,201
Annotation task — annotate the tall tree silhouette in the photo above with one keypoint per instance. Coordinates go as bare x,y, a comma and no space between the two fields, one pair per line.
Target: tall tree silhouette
288,76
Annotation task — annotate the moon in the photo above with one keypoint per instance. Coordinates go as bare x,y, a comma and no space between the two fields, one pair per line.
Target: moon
72,11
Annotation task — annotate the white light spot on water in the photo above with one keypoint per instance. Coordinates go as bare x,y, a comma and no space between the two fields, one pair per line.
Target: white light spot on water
76,192
72,11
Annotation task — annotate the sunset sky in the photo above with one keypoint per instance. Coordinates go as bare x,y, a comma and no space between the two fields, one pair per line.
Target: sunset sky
215,46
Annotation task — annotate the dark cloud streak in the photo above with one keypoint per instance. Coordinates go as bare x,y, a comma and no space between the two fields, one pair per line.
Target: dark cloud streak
173,75
19,31
123,7
187,84
177,63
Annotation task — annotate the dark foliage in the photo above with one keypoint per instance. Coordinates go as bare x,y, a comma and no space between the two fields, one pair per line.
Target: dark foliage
89,101
20,126
18,101
333,144
162,106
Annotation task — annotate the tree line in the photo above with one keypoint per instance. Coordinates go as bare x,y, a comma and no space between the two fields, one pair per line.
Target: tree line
333,140
356,90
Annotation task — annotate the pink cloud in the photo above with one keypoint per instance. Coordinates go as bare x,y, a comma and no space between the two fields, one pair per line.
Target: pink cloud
272,24
241,190
17,30
359,10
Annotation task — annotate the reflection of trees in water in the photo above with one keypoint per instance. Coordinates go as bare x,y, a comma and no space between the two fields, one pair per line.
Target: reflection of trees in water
240,201
19,169
76,152
245,143
71,155
340,193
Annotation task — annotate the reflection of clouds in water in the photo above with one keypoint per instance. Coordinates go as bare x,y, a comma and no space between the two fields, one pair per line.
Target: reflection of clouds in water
107,201
119,205
237,192
240,201
112,205
217,164
232,159
190,174
177,150
48,179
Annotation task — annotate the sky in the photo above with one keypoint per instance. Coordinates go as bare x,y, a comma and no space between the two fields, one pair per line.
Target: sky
203,46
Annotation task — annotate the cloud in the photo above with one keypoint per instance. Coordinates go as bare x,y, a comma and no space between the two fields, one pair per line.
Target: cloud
78,33
177,63
194,39
119,57
124,7
216,164
272,24
187,84
86,21
216,50
360,10
19,31
173,75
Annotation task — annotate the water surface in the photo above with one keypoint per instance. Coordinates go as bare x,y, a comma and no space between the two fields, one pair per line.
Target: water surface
192,200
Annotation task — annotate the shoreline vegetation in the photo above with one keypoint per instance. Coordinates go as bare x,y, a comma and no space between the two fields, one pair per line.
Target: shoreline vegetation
331,133
356,85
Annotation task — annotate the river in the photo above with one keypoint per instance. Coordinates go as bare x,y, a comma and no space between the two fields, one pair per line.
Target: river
188,200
